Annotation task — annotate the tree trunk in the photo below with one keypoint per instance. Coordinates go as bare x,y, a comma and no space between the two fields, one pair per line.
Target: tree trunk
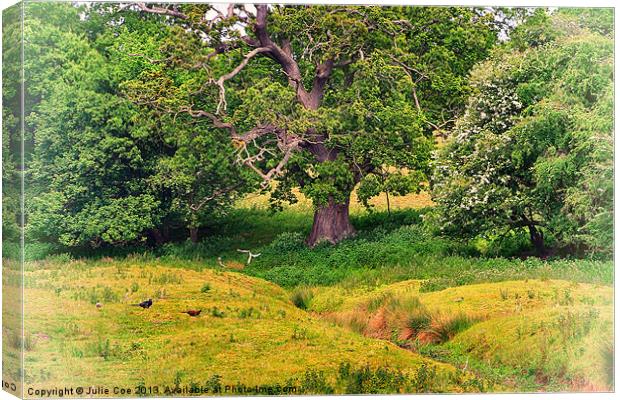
193,235
331,223
537,239
158,236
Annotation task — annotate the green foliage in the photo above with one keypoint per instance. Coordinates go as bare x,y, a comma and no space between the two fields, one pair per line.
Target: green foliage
394,251
11,127
370,380
534,147
373,119
315,382
103,170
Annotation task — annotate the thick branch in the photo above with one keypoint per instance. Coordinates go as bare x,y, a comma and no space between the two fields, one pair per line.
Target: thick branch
282,55
323,72
255,133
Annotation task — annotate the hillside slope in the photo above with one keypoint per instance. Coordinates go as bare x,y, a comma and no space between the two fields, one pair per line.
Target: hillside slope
524,335
249,333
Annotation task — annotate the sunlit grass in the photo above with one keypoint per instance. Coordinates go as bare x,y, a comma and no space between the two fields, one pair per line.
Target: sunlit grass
256,335
554,332
379,203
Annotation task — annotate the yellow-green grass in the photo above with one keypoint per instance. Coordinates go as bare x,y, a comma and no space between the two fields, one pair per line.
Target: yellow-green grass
249,332
558,332
379,203
566,347
12,340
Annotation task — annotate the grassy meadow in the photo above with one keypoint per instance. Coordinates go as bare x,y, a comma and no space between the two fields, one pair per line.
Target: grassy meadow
394,309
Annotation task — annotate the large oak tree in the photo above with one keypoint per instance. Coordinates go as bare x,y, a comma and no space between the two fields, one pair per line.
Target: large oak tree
324,98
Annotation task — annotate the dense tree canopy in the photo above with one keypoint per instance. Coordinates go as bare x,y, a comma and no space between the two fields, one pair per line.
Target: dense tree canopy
147,121
319,97
103,170
11,124
534,146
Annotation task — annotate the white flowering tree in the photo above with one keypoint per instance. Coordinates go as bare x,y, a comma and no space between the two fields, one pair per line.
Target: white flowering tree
533,152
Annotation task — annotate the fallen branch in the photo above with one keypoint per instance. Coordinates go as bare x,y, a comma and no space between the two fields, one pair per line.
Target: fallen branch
250,255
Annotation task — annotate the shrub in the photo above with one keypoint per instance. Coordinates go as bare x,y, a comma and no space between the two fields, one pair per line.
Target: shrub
533,151
287,242
315,382
364,380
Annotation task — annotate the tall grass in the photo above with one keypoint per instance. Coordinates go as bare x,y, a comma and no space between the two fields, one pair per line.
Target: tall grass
301,297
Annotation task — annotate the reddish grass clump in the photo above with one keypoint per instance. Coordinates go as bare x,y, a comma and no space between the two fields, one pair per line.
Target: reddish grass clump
378,325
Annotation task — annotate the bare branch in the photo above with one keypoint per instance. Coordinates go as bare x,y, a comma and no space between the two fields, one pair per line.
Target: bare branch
218,123
286,143
220,82
245,138
162,11
216,194
221,263
408,68
415,98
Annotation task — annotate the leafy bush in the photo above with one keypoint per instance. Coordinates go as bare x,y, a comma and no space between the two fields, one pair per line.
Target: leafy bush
366,379
36,250
287,242
315,382
533,151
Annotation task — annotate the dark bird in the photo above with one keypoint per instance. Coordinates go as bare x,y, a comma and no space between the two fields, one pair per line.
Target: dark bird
145,304
192,313
99,305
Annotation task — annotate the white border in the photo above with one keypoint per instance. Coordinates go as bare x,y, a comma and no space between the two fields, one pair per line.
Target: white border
520,3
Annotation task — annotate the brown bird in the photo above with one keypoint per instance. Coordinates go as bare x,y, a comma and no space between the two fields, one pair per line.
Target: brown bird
192,313
99,305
